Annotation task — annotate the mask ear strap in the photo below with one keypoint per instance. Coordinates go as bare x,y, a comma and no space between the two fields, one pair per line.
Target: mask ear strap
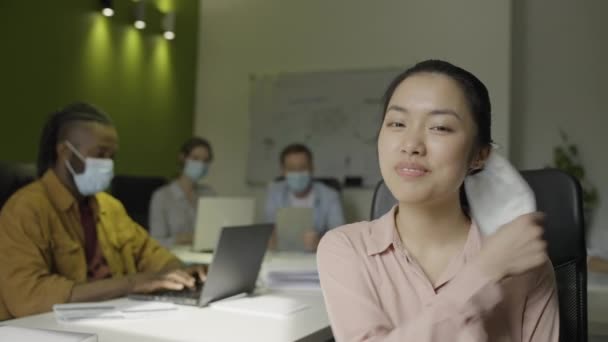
69,166
73,149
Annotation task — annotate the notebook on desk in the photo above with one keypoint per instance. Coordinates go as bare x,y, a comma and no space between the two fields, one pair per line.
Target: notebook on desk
274,306
214,213
234,269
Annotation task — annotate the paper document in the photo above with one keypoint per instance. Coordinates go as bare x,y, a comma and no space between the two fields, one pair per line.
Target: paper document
106,311
10,333
264,305
291,271
292,279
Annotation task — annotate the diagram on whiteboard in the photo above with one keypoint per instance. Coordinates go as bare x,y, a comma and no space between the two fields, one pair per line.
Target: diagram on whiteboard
336,114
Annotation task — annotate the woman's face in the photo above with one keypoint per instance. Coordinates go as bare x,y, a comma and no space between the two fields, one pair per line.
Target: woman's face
425,146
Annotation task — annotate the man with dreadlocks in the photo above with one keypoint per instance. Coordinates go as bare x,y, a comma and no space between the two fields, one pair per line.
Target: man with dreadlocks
62,239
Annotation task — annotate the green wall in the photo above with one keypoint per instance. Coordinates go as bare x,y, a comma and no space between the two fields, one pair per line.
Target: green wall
56,52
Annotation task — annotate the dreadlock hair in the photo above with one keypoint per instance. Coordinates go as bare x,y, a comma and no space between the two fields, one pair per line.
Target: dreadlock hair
56,125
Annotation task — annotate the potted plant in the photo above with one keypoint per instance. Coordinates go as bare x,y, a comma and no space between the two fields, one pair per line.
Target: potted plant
566,158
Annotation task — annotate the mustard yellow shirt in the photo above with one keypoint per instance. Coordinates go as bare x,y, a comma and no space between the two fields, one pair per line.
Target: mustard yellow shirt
42,253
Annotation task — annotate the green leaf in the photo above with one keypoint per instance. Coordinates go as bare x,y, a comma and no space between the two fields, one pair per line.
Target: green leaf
573,150
578,172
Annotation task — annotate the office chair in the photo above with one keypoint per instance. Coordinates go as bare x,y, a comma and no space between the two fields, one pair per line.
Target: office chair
13,176
331,182
135,193
558,195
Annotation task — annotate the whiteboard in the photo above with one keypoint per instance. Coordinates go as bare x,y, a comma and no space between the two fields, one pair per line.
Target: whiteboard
337,114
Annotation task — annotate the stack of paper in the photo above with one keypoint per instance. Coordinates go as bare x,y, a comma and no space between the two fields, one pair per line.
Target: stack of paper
263,305
291,271
105,311
10,333
292,279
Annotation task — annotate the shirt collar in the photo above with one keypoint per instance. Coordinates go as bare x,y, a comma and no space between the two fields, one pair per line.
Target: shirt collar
176,190
384,234
314,191
60,196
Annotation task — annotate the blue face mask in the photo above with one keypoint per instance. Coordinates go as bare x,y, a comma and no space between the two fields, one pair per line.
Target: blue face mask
298,182
97,175
195,169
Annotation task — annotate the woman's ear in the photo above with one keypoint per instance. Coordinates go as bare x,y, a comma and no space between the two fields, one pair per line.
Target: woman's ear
479,160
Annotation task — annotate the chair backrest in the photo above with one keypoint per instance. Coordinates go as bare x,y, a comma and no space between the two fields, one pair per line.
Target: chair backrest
331,182
12,177
382,201
558,195
135,193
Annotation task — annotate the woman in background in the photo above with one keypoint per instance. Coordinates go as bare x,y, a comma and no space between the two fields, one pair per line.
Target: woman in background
173,206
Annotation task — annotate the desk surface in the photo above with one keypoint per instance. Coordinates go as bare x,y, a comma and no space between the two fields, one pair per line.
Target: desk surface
209,324
202,324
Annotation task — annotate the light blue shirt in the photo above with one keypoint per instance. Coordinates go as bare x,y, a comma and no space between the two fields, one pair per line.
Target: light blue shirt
327,207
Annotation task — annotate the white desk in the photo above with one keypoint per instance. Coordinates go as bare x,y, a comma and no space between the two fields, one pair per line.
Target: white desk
209,324
202,324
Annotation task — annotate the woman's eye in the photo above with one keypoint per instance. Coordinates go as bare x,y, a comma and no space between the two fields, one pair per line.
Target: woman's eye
441,129
395,124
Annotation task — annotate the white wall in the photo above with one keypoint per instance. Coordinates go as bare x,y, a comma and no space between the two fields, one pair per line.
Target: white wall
560,73
239,37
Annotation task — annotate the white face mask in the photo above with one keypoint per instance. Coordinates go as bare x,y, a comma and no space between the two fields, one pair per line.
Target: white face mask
498,194
97,175
298,182
195,169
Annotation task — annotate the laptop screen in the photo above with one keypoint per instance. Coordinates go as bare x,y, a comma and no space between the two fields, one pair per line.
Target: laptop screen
215,213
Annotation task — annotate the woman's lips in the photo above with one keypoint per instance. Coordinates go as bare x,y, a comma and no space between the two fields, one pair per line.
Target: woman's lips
411,170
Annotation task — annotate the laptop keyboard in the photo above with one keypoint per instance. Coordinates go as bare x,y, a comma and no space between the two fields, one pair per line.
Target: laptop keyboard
186,296
193,293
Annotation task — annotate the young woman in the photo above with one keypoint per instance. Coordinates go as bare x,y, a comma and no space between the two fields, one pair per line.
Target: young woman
173,206
423,272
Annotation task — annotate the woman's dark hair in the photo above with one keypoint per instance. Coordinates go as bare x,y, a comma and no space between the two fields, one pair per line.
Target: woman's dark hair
56,128
474,90
193,143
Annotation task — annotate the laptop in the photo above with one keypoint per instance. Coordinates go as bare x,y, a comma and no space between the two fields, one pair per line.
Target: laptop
234,269
214,213
291,224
